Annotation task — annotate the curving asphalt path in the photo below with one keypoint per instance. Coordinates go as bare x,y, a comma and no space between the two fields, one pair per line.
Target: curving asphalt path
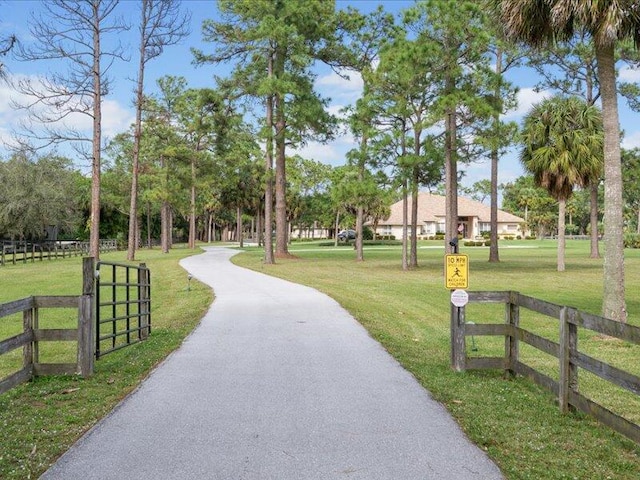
278,382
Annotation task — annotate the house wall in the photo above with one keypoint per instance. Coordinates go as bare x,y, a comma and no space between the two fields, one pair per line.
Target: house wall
473,229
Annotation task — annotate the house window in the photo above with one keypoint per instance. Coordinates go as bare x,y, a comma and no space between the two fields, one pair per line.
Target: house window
512,228
484,226
386,230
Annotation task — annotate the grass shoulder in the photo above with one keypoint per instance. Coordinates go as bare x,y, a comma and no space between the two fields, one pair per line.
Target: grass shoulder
40,420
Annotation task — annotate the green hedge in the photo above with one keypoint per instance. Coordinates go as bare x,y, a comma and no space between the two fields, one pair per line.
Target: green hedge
631,240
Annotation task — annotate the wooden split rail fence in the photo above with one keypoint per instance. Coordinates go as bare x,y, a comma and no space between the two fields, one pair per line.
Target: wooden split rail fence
124,308
12,252
566,350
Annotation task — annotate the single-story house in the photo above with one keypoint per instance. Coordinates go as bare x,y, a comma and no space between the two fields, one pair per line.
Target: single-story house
474,216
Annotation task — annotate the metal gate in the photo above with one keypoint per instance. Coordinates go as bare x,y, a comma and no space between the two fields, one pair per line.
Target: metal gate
123,306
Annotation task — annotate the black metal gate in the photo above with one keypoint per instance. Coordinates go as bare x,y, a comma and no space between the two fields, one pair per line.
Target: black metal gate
123,305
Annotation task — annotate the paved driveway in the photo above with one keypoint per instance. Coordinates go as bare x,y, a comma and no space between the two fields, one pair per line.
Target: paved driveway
278,382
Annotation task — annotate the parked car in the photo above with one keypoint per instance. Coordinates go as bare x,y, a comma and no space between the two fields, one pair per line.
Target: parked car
346,235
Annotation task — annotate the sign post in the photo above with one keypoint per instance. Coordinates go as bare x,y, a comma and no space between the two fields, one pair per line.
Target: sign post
456,278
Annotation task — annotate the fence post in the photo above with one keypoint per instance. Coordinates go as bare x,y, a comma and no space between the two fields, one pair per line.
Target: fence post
86,319
568,371
458,346
511,342
27,350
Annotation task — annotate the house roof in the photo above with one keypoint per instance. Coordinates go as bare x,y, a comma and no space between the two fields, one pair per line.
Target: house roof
431,208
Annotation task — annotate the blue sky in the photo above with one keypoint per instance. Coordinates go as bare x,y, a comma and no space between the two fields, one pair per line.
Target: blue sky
177,60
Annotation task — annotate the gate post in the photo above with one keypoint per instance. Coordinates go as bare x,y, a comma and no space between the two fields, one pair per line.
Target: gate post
143,299
86,320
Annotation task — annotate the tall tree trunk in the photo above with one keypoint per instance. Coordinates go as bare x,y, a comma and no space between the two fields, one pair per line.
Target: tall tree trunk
405,224
192,206
360,208
281,165
137,134
415,180
451,179
359,241
239,235
595,244
562,212
405,200
259,227
268,190
335,233
165,227
413,253
94,234
149,245
170,231
494,256
281,181
613,305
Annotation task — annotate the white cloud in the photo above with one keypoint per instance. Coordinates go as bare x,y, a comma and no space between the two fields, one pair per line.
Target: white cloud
631,140
346,90
527,97
333,153
629,74
115,118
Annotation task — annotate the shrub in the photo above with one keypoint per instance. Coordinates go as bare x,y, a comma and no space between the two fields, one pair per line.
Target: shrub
631,240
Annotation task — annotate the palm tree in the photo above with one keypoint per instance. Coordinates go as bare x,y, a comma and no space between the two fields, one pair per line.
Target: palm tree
608,21
562,147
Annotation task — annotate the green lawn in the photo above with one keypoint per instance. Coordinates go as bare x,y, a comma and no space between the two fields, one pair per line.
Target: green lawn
41,419
517,423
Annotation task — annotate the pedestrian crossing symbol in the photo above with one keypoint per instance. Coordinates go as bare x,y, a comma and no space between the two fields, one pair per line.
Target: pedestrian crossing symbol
456,271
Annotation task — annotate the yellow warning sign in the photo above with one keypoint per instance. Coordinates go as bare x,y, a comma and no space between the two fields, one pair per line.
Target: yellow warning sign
456,271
